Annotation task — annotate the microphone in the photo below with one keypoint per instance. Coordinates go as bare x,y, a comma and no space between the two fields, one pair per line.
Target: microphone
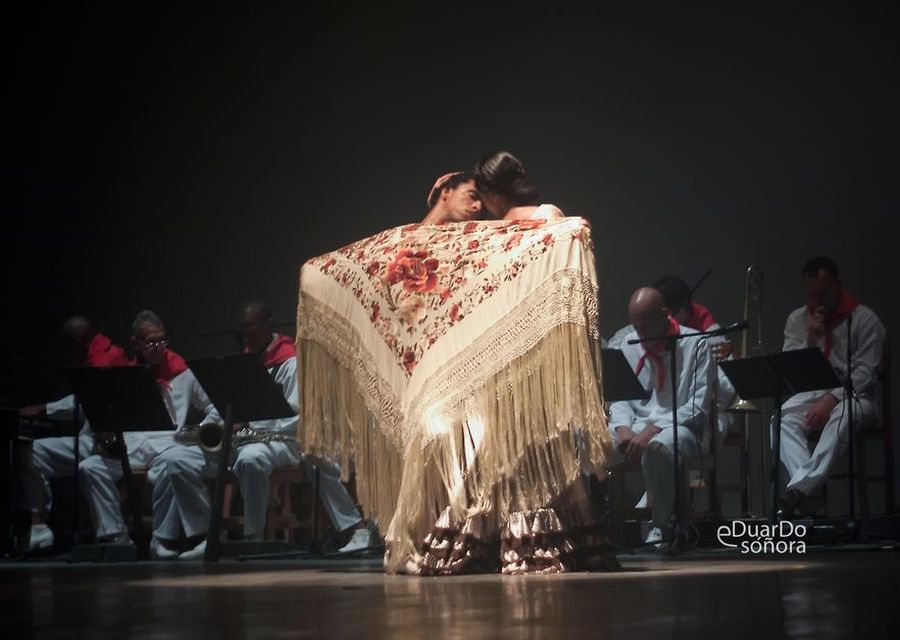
731,328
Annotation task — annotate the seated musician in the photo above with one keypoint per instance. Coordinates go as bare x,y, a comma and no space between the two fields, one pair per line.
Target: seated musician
181,503
99,472
643,428
823,415
55,457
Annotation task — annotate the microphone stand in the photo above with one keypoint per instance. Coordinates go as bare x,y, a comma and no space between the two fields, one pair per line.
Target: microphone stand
678,531
850,395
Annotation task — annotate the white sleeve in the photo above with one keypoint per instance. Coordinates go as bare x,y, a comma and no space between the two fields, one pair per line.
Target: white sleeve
201,401
618,339
62,409
795,331
866,355
621,414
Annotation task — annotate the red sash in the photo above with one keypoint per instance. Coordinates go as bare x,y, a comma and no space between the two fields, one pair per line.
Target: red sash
281,349
846,306
654,351
171,366
103,353
701,319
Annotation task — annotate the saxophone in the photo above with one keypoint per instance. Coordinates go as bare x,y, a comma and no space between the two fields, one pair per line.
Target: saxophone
209,436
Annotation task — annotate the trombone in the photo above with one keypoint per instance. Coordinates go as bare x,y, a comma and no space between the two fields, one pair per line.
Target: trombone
753,291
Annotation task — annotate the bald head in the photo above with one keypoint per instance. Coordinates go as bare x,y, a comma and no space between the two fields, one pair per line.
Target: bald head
648,313
78,329
254,324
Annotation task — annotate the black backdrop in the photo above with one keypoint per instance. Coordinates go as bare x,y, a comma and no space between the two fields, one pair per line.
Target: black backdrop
188,159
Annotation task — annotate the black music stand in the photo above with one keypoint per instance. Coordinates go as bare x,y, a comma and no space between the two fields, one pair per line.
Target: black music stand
120,399
619,381
241,390
774,376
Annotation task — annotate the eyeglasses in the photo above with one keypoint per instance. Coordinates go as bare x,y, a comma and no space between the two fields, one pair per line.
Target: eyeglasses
160,343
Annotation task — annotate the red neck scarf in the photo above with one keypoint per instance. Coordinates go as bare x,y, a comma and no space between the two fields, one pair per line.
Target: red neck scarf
171,366
282,348
846,305
701,319
102,352
654,351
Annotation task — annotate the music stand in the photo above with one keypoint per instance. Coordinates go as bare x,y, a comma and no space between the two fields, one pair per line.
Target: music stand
772,376
619,381
241,390
119,399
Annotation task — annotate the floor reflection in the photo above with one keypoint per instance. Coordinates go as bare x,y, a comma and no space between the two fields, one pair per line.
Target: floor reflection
823,596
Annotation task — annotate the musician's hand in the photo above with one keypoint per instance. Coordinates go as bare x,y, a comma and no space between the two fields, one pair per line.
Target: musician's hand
33,412
815,327
624,436
640,442
237,426
722,350
817,417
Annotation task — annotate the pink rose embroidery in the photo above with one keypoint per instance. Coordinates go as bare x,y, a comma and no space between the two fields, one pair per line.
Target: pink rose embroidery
513,241
414,269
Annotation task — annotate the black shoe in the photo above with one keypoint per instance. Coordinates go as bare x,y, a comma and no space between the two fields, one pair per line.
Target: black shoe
791,502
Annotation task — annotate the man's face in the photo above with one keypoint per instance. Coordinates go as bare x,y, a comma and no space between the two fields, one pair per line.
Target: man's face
151,344
463,203
650,324
254,332
822,291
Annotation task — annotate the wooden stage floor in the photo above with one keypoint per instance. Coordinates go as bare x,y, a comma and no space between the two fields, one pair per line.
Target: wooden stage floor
822,594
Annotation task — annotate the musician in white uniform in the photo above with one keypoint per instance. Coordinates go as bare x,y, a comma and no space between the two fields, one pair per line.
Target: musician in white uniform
55,457
181,503
823,415
695,317
180,390
642,429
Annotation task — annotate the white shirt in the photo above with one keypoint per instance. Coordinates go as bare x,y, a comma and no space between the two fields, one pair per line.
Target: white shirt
694,368
866,343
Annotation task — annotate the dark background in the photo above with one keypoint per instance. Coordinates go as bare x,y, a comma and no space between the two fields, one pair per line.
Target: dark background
189,159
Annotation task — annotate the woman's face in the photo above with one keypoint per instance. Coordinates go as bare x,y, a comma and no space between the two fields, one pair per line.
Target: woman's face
494,202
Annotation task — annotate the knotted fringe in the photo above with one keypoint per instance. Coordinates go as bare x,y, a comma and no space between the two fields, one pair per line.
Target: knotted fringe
515,445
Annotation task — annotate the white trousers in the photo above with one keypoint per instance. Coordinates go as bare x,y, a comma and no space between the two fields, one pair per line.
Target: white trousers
181,503
50,458
808,465
98,476
657,466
